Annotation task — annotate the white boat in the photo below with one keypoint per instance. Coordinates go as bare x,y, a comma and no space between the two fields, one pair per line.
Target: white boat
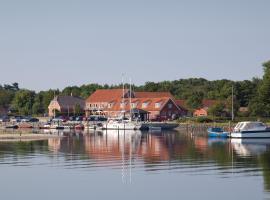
250,130
120,124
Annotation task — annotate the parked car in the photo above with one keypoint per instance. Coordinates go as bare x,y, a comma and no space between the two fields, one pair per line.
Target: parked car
16,119
4,119
33,120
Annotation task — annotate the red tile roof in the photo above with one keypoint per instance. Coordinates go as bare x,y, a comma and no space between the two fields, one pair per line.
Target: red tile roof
106,95
150,107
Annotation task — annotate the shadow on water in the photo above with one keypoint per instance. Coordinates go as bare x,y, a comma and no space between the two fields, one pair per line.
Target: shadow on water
154,152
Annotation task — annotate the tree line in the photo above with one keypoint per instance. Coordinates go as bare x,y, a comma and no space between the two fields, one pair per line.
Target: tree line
254,94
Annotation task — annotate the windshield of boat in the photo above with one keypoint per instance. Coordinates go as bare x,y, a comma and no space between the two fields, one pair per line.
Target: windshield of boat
253,126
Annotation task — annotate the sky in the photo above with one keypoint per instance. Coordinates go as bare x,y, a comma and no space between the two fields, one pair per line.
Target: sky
58,43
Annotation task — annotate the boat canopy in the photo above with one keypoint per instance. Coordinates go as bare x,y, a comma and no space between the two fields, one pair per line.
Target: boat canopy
249,126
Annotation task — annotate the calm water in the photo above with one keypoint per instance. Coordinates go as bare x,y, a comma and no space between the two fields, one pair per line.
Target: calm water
135,165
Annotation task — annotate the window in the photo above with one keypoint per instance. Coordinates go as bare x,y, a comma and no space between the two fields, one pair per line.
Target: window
134,105
170,105
144,105
157,105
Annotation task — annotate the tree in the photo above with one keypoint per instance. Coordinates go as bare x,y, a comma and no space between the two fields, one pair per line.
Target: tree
260,105
217,110
23,102
195,100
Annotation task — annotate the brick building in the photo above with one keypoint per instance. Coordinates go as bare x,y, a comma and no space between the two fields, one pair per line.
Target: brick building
146,105
66,105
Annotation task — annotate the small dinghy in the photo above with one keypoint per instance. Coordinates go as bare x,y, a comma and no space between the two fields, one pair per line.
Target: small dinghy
217,132
12,127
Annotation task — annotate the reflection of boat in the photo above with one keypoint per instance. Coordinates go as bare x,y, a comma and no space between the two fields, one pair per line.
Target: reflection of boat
247,146
217,132
250,130
161,125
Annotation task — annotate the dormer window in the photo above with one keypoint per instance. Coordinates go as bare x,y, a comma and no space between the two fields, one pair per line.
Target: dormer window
122,105
145,104
133,105
157,105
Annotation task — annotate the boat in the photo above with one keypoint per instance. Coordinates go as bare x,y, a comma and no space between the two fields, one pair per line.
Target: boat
79,127
250,129
12,127
217,132
25,126
159,125
57,127
122,124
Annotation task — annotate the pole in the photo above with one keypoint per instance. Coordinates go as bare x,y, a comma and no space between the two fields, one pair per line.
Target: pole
130,100
232,104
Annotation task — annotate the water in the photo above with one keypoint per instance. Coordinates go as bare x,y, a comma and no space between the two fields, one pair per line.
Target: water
135,165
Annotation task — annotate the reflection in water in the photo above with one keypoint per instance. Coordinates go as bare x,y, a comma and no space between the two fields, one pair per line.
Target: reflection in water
130,151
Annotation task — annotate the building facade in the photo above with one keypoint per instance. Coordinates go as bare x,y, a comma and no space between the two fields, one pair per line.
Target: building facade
146,105
66,105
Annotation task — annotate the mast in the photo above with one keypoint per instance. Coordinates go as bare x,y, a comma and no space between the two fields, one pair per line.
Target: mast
232,105
130,99
123,101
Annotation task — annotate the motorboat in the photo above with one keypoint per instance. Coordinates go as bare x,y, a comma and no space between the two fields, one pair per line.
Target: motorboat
250,130
217,132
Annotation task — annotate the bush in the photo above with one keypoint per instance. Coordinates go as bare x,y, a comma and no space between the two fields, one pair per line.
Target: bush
204,120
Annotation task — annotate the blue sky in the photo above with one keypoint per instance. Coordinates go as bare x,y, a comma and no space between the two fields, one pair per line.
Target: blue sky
54,43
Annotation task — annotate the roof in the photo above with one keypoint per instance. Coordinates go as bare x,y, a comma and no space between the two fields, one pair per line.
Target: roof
150,107
111,95
106,95
152,94
66,102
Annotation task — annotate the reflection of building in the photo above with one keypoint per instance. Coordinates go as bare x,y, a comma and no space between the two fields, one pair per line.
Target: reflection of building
66,105
149,105
54,144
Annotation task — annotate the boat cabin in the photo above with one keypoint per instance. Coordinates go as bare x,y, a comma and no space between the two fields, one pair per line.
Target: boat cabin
249,126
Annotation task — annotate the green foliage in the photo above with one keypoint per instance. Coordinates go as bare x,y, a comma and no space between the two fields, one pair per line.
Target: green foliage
23,102
195,100
260,104
217,110
203,120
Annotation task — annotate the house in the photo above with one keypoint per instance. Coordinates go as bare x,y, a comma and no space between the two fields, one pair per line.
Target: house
66,105
146,105
202,111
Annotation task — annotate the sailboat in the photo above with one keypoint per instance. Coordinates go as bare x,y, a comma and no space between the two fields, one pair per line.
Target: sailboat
122,122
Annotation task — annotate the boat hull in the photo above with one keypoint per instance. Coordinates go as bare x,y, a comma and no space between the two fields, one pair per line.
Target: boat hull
122,126
251,134
218,134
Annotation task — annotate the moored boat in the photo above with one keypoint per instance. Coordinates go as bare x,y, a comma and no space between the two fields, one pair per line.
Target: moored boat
250,130
122,124
217,132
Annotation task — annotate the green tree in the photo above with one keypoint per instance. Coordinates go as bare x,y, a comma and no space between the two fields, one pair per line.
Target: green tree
217,110
195,100
260,105
23,102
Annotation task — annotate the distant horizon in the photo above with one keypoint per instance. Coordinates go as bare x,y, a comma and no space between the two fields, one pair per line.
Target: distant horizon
127,82
54,44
